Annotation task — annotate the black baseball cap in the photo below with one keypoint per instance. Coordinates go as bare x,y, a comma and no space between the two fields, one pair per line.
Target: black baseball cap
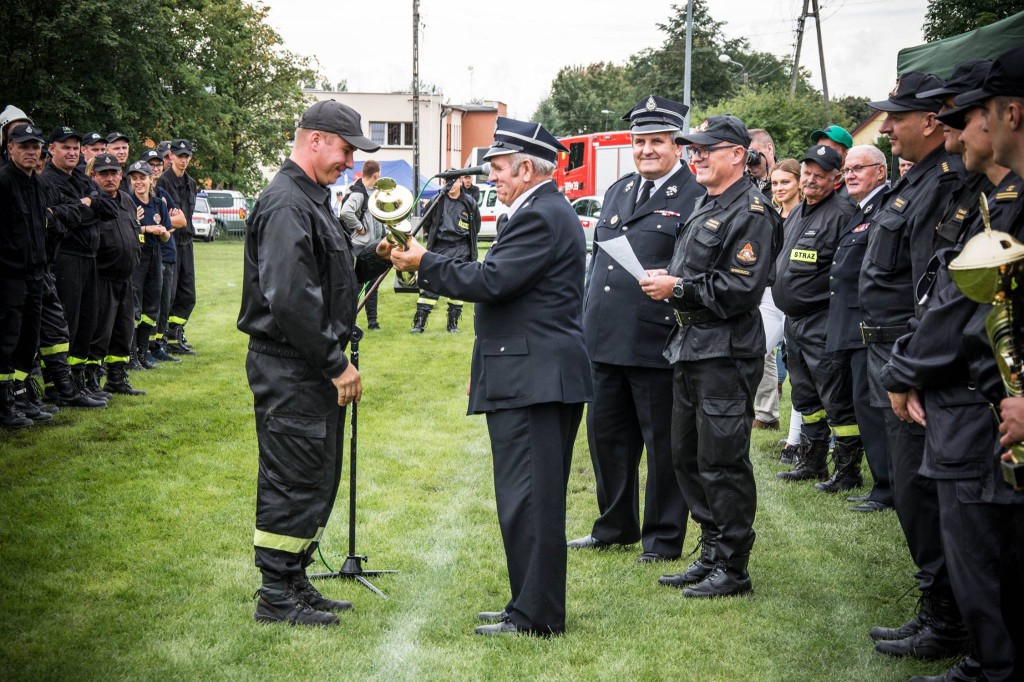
23,132
102,162
181,148
140,167
718,128
1005,78
63,133
164,148
826,157
331,116
904,96
93,138
966,79
151,155
114,137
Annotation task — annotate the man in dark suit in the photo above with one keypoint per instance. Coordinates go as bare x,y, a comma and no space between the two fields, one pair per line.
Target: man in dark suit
530,372
626,333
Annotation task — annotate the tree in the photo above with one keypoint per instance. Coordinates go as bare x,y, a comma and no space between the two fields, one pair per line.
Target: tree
580,96
855,109
947,18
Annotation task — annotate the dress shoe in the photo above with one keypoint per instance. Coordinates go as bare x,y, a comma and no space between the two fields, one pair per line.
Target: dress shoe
503,627
933,642
492,616
768,426
871,506
967,670
724,581
857,498
654,557
587,542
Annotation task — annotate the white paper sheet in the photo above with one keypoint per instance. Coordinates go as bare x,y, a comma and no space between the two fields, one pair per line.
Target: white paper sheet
622,253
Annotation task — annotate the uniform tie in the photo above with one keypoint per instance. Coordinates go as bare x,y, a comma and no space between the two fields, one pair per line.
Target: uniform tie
645,192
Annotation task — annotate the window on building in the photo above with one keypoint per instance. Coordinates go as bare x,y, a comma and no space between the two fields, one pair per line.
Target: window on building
391,134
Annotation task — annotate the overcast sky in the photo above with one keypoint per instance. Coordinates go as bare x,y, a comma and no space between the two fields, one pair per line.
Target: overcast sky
511,51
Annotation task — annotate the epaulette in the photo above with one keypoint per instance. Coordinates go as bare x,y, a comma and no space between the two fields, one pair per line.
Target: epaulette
1010,193
756,206
944,167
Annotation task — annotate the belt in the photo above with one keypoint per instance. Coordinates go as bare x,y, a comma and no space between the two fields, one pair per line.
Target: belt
684,318
279,350
881,334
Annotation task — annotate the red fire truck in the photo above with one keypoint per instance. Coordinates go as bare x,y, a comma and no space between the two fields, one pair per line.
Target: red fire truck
593,163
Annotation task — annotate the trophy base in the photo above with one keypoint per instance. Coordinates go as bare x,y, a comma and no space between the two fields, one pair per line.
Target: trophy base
1013,474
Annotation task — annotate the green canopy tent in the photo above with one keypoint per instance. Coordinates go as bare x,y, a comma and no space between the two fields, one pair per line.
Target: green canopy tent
939,57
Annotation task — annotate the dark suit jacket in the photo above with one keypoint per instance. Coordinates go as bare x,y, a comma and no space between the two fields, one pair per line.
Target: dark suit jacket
529,294
623,326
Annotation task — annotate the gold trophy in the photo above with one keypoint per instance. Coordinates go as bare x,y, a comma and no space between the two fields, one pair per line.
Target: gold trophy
392,205
987,271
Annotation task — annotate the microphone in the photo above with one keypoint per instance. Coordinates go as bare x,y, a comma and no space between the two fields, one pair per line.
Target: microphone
483,169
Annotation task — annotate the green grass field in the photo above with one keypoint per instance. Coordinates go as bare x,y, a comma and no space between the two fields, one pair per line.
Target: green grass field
126,543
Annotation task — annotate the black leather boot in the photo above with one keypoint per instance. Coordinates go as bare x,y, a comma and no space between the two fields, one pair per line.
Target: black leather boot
967,670
92,382
812,463
309,594
67,394
142,356
419,320
26,401
728,579
176,340
10,416
942,633
117,380
280,603
700,568
454,313
847,454
159,350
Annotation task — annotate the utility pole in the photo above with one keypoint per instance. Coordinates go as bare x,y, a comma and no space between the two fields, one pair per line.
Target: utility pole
821,54
799,44
686,69
416,97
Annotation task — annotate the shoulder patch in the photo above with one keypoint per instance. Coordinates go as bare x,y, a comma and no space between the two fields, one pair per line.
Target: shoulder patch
1009,194
899,204
746,255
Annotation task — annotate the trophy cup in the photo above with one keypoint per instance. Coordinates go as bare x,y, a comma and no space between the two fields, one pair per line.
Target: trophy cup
985,271
392,205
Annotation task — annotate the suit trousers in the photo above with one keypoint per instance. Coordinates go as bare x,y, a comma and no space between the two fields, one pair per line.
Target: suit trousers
712,414
532,452
299,429
76,285
632,409
871,421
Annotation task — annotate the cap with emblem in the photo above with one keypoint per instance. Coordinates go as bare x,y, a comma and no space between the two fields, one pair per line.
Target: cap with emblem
718,128
1005,78
150,155
139,167
904,96
966,76
181,148
114,137
23,132
93,138
331,116
102,162
656,115
164,148
515,137
826,157
834,133
63,134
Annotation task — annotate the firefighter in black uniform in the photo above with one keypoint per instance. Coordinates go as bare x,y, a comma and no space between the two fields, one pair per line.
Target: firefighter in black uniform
116,259
899,249
182,189
865,174
118,145
22,265
718,273
298,308
626,334
822,390
452,229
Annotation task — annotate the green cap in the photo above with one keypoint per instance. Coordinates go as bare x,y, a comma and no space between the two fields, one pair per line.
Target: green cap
836,134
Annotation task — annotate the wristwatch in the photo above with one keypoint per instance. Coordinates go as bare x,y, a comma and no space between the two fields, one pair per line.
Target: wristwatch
677,289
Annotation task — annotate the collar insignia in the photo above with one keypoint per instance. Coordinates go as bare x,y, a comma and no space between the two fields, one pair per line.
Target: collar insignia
671,191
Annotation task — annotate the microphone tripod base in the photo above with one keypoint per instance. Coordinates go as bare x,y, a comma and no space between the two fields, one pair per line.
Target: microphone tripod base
352,569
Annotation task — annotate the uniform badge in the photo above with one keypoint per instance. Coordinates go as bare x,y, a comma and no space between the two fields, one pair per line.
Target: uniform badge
671,191
821,152
629,186
614,219
961,213
899,204
651,104
712,224
156,218
804,255
869,208
747,255
702,127
895,89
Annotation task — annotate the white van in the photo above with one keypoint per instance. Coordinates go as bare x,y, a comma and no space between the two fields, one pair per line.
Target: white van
491,209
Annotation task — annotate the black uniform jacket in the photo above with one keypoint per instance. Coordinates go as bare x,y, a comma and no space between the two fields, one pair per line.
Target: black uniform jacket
299,287
844,305
961,210
529,293
470,216
622,325
726,257
183,192
78,232
119,249
901,242
22,225
803,268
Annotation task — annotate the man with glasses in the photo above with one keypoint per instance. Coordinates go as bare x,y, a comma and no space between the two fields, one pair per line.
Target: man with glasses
720,267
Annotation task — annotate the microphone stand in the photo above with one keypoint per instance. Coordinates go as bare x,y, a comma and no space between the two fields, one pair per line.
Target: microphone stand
353,569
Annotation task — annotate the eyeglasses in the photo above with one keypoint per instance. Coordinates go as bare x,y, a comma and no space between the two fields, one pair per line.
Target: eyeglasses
857,169
705,152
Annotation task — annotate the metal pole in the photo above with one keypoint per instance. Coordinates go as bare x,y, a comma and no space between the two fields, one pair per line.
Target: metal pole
686,68
415,93
821,55
799,44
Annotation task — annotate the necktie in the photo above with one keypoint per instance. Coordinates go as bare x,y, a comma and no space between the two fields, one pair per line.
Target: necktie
645,192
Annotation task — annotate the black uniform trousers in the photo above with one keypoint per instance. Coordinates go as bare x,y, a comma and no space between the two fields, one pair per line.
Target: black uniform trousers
712,414
76,285
985,552
185,284
821,388
632,409
870,421
532,452
914,496
166,295
115,323
147,285
20,303
53,332
299,428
